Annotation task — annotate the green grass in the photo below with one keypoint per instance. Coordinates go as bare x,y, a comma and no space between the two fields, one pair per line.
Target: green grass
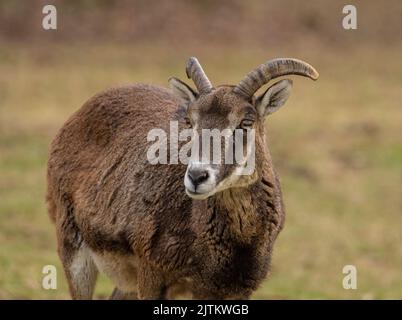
337,145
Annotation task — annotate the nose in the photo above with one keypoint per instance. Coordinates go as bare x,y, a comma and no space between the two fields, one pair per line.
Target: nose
198,176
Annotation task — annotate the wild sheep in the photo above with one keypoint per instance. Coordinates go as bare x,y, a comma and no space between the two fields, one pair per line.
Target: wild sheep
137,222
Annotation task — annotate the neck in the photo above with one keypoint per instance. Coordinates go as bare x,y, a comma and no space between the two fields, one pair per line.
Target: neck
239,213
243,211
236,205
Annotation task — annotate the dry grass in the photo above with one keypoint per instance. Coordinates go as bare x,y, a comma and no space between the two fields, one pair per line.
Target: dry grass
337,145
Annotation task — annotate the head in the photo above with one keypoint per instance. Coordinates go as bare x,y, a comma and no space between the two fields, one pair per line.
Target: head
234,115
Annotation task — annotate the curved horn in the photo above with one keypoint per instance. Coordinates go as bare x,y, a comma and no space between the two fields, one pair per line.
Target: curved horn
270,70
197,74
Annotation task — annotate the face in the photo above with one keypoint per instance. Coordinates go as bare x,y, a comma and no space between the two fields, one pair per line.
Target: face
227,112
228,135
227,123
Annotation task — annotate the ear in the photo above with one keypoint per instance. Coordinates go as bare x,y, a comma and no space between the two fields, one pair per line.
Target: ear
182,90
274,98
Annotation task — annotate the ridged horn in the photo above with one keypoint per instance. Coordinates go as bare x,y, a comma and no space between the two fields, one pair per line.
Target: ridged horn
195,72
270,70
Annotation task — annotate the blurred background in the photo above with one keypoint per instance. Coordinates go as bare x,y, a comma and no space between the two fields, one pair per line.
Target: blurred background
337,144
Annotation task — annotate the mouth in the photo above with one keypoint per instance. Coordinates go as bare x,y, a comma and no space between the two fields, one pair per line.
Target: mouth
198,195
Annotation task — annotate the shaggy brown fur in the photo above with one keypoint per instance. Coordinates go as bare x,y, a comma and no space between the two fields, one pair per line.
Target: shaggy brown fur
117,213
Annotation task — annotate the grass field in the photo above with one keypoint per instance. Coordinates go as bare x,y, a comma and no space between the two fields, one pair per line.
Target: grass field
337,145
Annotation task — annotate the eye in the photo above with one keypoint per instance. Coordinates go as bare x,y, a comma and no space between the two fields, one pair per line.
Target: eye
246,124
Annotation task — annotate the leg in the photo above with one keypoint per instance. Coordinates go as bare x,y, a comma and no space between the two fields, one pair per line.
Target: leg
151,285
81,272
75,256
121,295
121,269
